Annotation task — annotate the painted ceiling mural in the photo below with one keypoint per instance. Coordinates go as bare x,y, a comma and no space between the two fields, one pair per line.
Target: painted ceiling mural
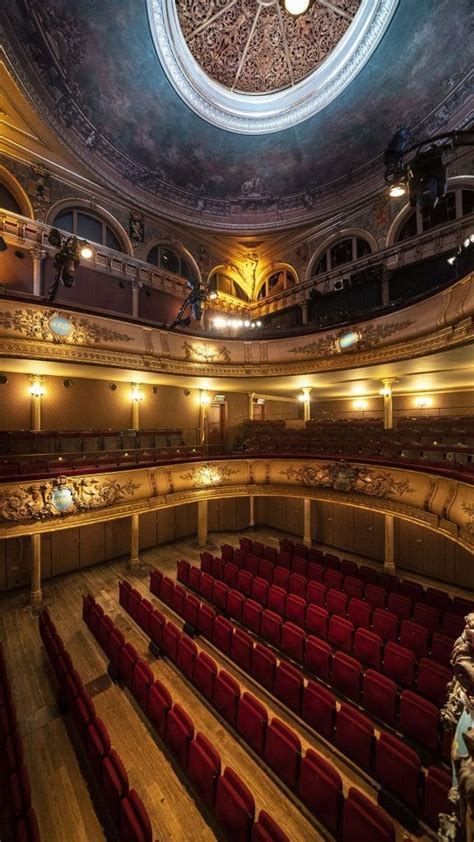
93,71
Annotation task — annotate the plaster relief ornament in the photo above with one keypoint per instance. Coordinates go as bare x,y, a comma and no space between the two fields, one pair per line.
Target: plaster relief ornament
62,496
200,352
341,476
59,327
458,716
208,475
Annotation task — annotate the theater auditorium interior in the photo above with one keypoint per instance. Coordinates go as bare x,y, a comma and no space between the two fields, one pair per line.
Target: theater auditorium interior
236,421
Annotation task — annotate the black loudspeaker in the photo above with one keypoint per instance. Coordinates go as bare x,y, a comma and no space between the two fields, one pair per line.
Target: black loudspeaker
190,630
339,284
399,811
154,649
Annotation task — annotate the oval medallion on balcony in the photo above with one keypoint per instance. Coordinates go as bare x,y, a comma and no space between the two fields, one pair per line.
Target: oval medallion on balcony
347,340
250,66
62,498
60,326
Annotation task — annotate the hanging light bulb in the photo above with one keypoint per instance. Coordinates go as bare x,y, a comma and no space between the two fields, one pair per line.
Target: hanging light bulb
296,7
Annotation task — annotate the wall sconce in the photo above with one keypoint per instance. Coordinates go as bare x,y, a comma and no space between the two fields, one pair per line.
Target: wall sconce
36,388
385,392
422,402
136,393
205,399
359,404
304,397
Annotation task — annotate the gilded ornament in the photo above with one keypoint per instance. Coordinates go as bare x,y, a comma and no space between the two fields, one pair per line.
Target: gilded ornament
208,475
367,337
206,353
41,325
341,476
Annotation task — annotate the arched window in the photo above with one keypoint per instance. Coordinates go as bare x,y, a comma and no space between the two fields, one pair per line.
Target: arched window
455,205
220,282
278,281
89,226
171,261
7,200
341,252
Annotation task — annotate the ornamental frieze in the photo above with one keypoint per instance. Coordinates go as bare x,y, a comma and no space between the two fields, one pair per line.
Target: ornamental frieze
208,475
45,326
468,509
341,476
62,496
206,353
367,337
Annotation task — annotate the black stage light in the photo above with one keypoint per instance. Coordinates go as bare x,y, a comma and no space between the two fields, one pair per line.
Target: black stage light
54,238
68,273
427,182
185,322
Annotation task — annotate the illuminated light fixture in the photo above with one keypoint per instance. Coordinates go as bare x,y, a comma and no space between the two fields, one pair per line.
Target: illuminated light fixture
247,323
348,339
385,392
360,404
452,260
213,295
136,392
304,397
205,399
397,189
296,7
423,402
86,251
258,323
37,389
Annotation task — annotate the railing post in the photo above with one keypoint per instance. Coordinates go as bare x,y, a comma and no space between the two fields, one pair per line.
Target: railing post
36,596
307,528
37,255
251,510
202,522
389,549
134,560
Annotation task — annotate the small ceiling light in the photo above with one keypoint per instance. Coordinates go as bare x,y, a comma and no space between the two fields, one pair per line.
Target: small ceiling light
397,189
422,402
360,404
247,323
205,399
296,7
258,323
36,389
452,260
136,393
86,251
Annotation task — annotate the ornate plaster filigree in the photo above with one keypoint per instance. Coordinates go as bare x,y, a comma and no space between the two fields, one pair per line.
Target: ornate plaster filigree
206,353
208,475
349,478
39,324
368,336
62,496
468,508
283,57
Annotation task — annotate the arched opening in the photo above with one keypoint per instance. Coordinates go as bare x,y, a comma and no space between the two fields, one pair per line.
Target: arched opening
93,224
279,279
171,260
13,198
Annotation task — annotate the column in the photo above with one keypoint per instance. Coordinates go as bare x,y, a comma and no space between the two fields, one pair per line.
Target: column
304,312
37,255
251,510
385,291
389,554
307,536
202,523
251,396
36,391
307,403
387,403
134,560
136,287
36,596
135,415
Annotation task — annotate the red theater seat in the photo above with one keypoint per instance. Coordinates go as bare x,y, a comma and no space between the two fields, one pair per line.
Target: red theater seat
260,590
319,709
353,587
218,568
258,549
235,602
171,636
375,596
452,625
205,671
441,649
106,627
280,577
435,801
234,807
297,585
318,656
244,582
293,642
379,696
299,566
128,659
204,768
349,568
317,619
114,783
222,634
438,599
179,733
285,559
155,582
246,544
398,769
190,609
220,592
252,616
368,575
400,605
27,828
289,686
355,736
20,792
314,572
166,590
368,648
432,680
227,553
134,820
98,745
276,600
332,561
385,624
143,679
316,594
399,664
116,643
462,606
230,575
88,603
156,627
265,570
205,621
158,704
340,633
226,696
267,830
144,610
252,720
364,821
296,610
413,590
271,628
186,655
251,564
263,666
320,789
241,649
336,602
194,579
125,590
419,720
333,579
359,613
97,612
283,752
184,567
347,675
206,586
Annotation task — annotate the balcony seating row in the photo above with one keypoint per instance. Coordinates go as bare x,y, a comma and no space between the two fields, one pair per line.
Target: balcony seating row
17,816
308,561
23,442
387,759
287,617
224,793
124,807
314,780
377,693
311,604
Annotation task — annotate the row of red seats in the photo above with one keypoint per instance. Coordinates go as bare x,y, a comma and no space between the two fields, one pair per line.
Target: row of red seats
316,782
318,607
225,794
18,820
125,810
343,671
314,703
433,609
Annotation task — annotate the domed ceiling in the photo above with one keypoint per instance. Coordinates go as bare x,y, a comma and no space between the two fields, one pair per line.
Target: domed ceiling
93,71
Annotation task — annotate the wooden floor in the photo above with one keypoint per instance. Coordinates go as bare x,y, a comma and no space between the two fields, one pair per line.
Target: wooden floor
59,791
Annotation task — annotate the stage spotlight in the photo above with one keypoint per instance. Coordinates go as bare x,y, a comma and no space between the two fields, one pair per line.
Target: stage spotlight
427,183
54,238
